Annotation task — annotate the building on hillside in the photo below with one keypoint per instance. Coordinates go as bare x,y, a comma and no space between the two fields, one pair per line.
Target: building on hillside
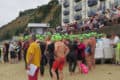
38,28
78,10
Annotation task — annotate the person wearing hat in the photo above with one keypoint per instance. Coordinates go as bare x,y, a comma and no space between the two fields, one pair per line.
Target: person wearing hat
43,61
80,53
12,52
71,57
60,53
25,48
51,55
93,46
33,57
87,50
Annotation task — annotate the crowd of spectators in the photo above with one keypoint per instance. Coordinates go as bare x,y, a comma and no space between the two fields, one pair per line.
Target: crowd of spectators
11,52
98,20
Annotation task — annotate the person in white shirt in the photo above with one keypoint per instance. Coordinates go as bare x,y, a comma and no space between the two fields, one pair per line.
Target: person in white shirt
12,53
106,41
115,40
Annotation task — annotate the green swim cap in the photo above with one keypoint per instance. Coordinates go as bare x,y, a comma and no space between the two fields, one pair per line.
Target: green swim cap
48,33
26,37
53,38
41,38
58,37
37,35
80,38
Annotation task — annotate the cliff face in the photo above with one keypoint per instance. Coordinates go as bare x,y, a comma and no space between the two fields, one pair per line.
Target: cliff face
49,13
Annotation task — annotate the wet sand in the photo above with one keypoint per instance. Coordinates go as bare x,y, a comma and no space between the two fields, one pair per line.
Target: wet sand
102,72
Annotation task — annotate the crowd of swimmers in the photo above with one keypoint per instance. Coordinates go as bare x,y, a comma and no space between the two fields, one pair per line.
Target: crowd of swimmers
58,51
55,51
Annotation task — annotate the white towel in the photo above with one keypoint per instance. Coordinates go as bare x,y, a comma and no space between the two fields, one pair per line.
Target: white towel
32,69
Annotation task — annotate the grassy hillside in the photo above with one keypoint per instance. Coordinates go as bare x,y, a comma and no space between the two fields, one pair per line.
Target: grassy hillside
49,13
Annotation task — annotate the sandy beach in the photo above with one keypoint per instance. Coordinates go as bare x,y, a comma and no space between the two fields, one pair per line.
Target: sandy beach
102,72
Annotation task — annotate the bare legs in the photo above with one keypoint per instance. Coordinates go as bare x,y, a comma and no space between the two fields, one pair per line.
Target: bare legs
78,64
61,75
88,61
54,77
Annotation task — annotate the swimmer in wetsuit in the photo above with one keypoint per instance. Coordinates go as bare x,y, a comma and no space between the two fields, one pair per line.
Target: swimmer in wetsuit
80,54
50,47
51,58
72,60
43,59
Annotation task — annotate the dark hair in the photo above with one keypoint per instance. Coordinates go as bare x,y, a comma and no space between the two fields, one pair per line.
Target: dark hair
118,35
108,36
33,37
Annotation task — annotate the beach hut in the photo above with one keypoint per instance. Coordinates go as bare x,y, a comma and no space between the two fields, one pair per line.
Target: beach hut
38,28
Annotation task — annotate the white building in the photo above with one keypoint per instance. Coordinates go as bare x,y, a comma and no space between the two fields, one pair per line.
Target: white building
78,10
38,28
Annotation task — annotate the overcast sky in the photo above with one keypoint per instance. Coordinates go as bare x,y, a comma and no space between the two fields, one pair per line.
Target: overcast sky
9,9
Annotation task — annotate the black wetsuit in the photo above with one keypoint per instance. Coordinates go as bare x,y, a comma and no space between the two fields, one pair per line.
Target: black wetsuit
71,57
25,48
43,61
81,52
51,58
0,52
19,51
6,52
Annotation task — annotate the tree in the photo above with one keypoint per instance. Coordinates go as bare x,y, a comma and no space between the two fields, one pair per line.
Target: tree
53,2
